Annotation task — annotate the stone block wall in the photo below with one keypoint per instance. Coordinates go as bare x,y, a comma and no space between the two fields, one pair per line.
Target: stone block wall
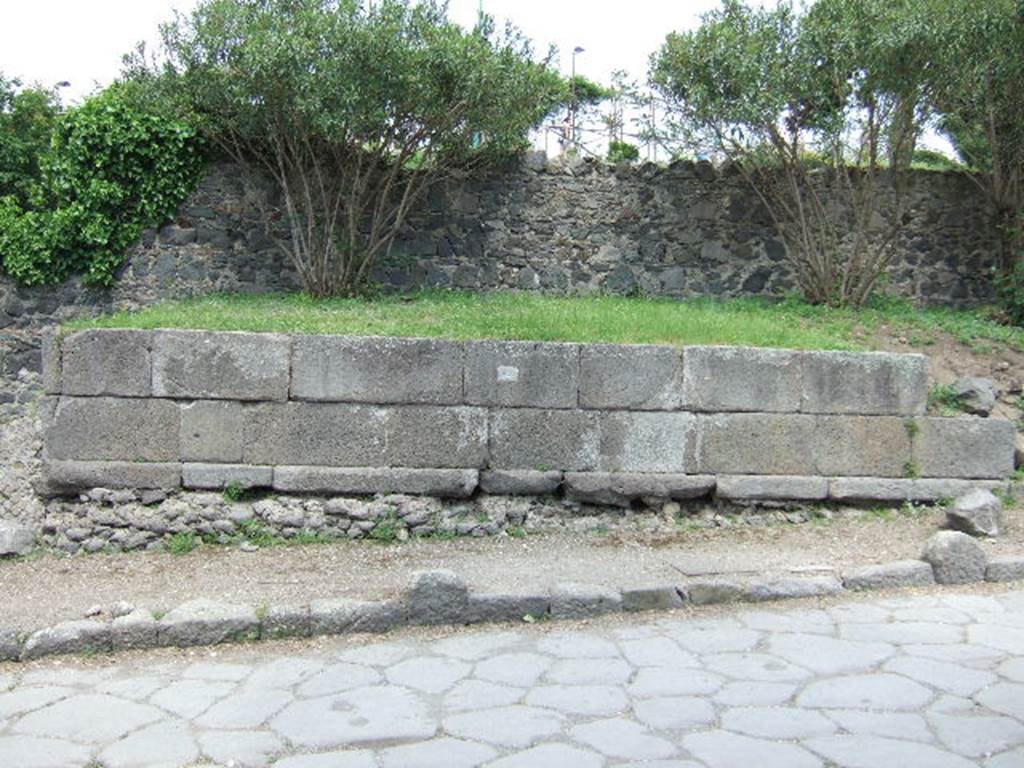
363,415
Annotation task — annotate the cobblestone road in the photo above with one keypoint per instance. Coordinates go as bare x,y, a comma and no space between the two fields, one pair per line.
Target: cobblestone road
934,680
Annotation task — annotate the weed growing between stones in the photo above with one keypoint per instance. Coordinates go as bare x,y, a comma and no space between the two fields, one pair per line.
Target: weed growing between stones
944,399
911,469
182,543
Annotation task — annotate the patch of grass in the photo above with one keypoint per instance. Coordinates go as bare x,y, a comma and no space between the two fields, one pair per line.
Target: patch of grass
258,533
182,543
516,532
235,492
911,469
944,398
311,537
385,532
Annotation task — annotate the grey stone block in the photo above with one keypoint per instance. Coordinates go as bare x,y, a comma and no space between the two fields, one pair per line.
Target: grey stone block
977,512
217,477
336,617
207,622
60,477
106,362
212,430
899,573
449,483
436,597
651,599
964,448
51,360
286,621
135,631
857,489
488,608
15,539
436,437
975,395
742,379
519,482
876,383
221,366
955,558
945,489
756,443
634,441
620,489
1006,568
793,587
742,488
522,374
545,439
84,636
582,601
873,446
712,591
377,370
632,377
10,644
112,429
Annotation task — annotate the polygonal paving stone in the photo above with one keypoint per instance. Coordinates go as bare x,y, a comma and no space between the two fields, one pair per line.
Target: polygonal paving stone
190,698
135,688
252,749
162,745
1000,637
284,673
662,764
755,694
212,670
337,678
430,674
860,613
522,669
859,751
673,713
952,678
974,605
59,675
977,735
871,691
802,622
437,753
88,718
589,700
938,614
976,656
785,723
716,640
903,632
515,726
480,694
896,725
720,749
476,647
1012,669
667,681
754,666
951,705
360,759
1012,759
1007,698
577,645
656,652
378,654
827,655
22,700
246,709
32,752
551,756
590,671
360,716
623,739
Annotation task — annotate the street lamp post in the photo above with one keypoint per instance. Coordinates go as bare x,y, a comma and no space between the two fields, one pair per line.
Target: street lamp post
572,105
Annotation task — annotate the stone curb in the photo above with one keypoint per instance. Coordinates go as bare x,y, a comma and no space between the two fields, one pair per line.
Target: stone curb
441,597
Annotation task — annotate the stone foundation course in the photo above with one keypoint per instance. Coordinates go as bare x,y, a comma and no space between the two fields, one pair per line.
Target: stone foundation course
613,424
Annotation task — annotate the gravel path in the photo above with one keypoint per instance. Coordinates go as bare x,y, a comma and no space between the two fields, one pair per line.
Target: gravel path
933,679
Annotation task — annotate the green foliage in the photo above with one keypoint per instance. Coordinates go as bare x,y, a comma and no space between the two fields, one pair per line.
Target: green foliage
385,531
945,399
182,543
111,171
353,109
622,152
585,92
1010,291
27,120
930,160
911,469
234,492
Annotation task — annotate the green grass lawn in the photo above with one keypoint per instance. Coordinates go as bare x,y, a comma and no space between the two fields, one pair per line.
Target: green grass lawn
515,315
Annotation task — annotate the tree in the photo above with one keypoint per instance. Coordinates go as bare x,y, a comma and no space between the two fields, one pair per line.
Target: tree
353,110
27,120
804,106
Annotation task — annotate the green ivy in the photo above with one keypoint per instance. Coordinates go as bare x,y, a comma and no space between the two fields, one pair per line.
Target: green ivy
112,170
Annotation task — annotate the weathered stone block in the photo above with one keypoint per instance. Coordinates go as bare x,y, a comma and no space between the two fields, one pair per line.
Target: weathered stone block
899,573
221,366
977,512
955,558
377,370
336,617
647,442
847,446
207,622
436,597
135,631
486,608
525,438
83,636
51,360
431,436
712,591
212,430
519,482
964,448
742,488
633,377
15,539
450,483
10,644
106,362
522,373
870,383
102,428
1006,568
651,599
869,489
742,379
944,489
582,601
793,587
620,489
286,621
71,476
756,443
219,476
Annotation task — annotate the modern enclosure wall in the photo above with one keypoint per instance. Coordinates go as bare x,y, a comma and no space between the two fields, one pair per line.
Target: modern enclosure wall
363,415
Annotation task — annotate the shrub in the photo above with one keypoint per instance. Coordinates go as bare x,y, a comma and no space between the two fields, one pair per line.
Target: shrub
27,120
1010,291
622,152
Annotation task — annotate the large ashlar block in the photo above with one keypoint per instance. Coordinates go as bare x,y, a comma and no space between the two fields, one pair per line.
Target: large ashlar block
106,362
221,366
377,370
872,446
742,379
72,476
639,441
756,444
964,448
522,374
631,377
743,488
220,476
113,429
365,436
450,483
50,351
527,438
212,430
868,383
